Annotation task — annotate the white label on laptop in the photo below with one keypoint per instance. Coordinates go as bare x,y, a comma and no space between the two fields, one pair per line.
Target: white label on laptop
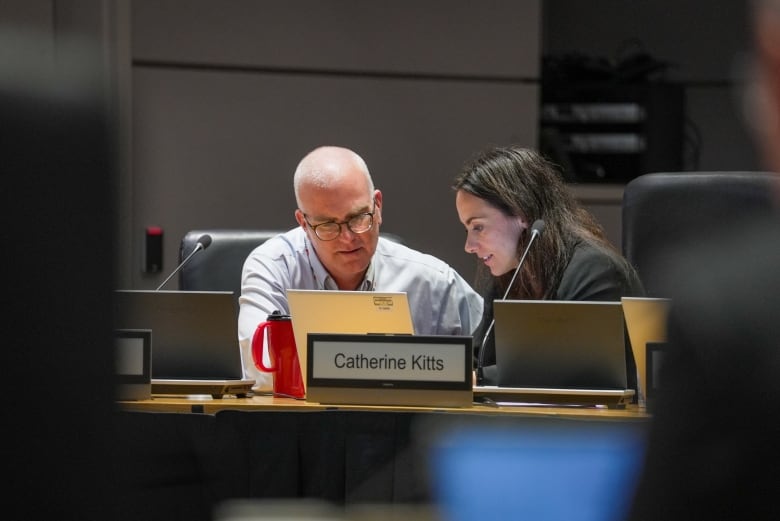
387,360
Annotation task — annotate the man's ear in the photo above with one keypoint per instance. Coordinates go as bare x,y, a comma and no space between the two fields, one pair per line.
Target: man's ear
378,210
299,217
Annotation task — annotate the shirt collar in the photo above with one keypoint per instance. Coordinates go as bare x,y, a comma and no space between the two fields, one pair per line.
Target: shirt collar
322,278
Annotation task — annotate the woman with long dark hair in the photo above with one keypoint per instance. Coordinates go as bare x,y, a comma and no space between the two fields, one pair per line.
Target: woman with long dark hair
500,193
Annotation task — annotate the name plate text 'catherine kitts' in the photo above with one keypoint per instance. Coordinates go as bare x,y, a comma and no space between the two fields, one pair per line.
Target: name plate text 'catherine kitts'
354,364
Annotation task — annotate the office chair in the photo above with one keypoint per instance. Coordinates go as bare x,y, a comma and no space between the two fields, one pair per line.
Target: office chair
664,211
218,267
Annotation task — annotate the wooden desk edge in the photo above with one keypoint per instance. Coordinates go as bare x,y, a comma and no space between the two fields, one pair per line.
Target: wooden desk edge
208,405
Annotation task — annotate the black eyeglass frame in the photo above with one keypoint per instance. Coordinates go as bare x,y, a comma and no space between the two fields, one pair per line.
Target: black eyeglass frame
340,224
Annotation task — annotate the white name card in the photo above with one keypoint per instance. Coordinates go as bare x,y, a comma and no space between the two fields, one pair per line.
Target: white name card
342,367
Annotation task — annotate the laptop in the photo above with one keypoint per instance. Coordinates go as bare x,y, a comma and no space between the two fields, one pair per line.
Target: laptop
358,312
646,323
194,339
559,352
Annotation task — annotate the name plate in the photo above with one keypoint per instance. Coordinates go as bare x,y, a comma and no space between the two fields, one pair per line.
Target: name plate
424,370
133,363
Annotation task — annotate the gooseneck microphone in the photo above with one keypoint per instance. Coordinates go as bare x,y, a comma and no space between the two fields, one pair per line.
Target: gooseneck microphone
203,243
536,229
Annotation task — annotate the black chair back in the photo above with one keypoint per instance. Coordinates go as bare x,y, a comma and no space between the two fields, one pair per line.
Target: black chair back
218,267
665,211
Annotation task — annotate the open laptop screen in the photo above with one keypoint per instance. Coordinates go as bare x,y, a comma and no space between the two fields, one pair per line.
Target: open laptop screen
194,333
646,323
356,312
560,344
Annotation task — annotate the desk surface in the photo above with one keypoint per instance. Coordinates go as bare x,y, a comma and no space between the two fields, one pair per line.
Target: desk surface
207,405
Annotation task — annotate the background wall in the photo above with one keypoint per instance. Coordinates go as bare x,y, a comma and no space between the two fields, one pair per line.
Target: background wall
227,97
217,101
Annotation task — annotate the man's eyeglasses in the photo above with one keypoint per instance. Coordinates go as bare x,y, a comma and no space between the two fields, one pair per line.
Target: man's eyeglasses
328,231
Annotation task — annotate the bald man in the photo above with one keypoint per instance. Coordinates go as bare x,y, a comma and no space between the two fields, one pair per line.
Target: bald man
337,246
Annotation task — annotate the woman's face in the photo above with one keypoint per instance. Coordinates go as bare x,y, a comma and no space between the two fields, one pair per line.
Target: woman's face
490,234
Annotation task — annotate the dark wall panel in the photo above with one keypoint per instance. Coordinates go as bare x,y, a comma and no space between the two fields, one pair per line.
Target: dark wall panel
218,149
486,38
